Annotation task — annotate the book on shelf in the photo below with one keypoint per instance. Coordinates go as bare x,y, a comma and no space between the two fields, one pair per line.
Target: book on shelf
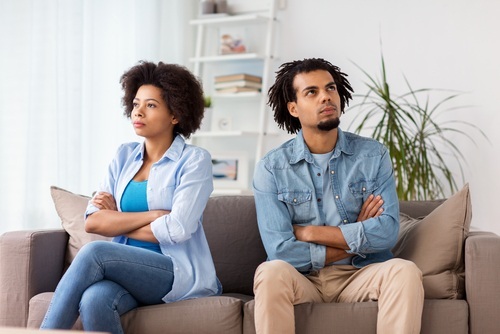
237,77
238,83
232,90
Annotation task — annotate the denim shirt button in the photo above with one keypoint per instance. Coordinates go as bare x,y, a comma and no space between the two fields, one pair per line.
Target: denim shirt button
319,199
332,172
295,200
319,174
364,189
345,221
336,196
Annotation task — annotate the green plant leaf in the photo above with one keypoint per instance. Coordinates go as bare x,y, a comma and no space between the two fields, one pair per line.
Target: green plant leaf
419,145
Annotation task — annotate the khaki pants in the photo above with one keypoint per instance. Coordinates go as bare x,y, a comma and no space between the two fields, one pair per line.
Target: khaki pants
396,285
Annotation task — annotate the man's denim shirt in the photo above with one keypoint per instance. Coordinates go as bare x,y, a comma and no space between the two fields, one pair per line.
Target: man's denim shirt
288,190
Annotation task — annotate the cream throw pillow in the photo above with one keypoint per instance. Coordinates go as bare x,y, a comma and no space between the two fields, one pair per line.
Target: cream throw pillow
435,244
71,209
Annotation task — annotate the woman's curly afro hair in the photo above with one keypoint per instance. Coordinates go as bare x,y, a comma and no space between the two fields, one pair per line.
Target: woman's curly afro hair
283,91
181,91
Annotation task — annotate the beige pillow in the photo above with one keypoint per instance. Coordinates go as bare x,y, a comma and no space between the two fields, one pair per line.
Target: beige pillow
71,209
435,244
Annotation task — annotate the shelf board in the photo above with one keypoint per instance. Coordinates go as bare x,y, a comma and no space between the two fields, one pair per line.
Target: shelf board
221,20
236,95
228,57
231,192
236,133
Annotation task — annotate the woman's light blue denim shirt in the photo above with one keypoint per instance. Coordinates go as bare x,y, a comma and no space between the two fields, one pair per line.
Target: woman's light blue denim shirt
288,190
181,182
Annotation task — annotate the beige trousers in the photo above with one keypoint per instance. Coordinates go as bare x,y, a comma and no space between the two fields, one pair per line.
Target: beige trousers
396,285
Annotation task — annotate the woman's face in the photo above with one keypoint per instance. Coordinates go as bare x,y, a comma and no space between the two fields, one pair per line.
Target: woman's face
151,117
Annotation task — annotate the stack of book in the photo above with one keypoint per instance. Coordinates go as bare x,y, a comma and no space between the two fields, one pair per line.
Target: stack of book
236,83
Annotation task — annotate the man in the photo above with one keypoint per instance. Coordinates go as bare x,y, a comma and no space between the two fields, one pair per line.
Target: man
328,211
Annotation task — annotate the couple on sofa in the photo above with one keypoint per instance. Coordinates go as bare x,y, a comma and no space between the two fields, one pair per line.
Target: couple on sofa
155,192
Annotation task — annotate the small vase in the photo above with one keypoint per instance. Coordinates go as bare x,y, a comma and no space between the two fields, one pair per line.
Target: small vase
207,7
220,6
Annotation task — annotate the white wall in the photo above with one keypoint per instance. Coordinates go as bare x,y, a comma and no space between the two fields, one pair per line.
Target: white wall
450,44
60,99
442,43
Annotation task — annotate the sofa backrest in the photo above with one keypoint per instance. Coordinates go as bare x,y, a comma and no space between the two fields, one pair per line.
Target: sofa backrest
230,224
418,209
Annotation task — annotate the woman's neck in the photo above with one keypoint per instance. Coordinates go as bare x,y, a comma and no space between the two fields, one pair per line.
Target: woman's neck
155,149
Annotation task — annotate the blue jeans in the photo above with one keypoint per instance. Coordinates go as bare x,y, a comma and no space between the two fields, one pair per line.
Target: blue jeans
106,280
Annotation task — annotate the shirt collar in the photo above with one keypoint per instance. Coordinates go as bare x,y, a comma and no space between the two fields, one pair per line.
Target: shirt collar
173,153
343,144
301,151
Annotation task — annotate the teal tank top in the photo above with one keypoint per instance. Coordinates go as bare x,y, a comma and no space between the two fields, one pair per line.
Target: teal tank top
135,199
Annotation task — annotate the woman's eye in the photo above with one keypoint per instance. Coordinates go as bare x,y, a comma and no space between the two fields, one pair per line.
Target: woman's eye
135,105
150,105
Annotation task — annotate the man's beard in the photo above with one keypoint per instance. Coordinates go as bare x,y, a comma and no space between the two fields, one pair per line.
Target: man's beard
329,124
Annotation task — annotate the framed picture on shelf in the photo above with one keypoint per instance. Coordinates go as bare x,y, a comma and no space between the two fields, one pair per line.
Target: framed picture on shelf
230,170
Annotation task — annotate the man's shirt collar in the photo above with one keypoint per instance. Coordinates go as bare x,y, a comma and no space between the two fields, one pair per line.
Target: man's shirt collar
301,151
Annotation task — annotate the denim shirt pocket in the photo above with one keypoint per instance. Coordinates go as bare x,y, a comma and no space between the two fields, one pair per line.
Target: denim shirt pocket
298,204
363,188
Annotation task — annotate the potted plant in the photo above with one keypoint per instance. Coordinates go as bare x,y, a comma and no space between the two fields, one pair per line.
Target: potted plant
207,116
420,147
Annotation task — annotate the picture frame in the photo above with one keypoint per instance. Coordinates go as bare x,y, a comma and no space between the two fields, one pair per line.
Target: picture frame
230,170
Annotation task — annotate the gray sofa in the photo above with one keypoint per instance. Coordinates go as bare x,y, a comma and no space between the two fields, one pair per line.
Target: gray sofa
32,262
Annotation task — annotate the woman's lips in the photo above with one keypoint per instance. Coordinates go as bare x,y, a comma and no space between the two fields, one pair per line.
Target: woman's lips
138,124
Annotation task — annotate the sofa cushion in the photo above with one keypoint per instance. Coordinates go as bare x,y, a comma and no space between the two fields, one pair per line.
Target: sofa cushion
71,209
435,244
439,316
219,314
38,306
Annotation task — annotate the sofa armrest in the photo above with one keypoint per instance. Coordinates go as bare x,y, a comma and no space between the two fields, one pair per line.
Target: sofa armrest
482,270
31,262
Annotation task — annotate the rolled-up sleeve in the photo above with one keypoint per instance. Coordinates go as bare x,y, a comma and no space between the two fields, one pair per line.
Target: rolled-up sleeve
189,199
377,234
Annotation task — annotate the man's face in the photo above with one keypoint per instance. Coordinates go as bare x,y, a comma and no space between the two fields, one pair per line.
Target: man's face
318,101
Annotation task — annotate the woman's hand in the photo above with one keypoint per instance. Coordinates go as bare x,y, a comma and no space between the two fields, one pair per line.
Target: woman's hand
104,201
371,208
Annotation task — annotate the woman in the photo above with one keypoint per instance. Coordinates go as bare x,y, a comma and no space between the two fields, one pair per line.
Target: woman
151,202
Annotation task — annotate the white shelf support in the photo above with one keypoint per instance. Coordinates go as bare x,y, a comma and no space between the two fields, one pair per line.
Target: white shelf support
251,128
266,81
198,50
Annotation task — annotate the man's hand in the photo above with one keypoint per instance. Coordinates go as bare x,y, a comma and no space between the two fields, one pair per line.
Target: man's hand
104,201
332,236
371,208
